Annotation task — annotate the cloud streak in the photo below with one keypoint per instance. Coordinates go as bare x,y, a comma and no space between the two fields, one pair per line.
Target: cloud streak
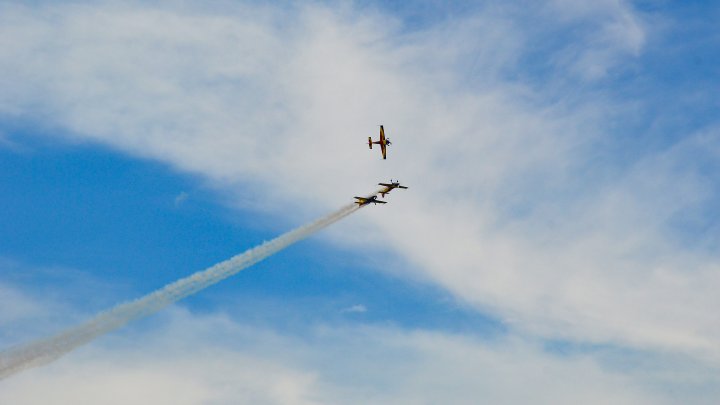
188,358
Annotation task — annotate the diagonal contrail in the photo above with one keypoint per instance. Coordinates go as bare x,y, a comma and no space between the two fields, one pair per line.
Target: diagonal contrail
46,350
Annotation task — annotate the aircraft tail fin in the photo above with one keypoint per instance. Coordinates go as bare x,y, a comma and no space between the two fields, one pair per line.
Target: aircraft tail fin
370,141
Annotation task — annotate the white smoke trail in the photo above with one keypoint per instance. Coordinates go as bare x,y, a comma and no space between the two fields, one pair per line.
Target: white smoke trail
46,350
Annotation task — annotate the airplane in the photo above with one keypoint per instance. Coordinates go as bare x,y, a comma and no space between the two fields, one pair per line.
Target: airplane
383,142
367,200
389,187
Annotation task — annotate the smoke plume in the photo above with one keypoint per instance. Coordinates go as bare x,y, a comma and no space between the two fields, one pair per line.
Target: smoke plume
46,350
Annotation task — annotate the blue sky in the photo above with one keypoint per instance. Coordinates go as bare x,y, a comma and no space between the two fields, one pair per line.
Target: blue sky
174,226
559,226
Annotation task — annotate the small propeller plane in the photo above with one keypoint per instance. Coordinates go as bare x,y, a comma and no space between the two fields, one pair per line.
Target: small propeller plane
389,187
367,200
383,142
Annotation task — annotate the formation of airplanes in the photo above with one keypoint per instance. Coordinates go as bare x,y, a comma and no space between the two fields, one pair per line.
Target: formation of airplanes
387,187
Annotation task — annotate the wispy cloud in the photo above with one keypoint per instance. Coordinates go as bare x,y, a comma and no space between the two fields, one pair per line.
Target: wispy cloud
617,34
181,198
16,306
521,203
9,144
199,359
355,309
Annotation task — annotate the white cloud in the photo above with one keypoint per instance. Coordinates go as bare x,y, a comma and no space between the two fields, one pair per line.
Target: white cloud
15,305
35,300
357,308
211,359
617,32
514,205
181,198
9,144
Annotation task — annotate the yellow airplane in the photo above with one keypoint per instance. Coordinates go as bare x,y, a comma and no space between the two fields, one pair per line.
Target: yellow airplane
367,200
383,142
389,187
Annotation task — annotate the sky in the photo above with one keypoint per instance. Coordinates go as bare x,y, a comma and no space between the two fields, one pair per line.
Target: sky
557,243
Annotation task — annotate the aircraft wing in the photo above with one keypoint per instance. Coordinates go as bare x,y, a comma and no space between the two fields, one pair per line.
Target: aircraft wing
383,143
